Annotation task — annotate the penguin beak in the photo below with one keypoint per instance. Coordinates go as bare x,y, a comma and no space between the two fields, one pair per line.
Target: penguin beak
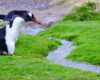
36,21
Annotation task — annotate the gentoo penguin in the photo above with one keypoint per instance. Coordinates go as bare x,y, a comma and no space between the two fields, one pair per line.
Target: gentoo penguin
9,33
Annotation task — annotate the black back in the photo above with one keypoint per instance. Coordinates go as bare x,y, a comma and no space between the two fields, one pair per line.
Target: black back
20,13
3,46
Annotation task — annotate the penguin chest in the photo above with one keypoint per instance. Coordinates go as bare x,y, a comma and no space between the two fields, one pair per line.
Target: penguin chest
12,35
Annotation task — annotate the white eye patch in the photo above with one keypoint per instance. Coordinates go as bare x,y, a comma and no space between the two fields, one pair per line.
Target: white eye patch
30,14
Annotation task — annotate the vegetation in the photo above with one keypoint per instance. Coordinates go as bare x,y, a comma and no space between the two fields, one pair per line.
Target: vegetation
36,46
85,34
84,31
92,5
84,13
33,66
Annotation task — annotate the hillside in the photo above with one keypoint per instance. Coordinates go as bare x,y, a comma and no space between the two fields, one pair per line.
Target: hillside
82,27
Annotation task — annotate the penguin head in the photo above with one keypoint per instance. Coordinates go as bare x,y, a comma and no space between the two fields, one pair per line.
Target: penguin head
29,17
26,15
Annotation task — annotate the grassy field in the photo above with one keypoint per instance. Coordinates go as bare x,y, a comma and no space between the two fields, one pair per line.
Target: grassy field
34,49
33,65
84,34
83,27
36,46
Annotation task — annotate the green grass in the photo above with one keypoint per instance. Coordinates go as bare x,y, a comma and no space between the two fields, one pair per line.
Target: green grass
33,66
38,69
83,13
84,34
33,45
34,49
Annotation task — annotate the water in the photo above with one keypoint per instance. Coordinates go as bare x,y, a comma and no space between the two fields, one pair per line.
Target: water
58,57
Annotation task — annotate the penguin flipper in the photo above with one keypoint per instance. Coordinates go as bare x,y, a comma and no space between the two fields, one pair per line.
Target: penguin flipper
3,24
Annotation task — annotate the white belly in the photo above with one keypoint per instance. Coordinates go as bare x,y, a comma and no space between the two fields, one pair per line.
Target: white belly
11,38
12,34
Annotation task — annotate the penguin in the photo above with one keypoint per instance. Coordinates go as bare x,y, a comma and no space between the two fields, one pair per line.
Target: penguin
9,33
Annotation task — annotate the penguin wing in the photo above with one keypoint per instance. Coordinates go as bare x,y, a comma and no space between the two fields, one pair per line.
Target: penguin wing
3,24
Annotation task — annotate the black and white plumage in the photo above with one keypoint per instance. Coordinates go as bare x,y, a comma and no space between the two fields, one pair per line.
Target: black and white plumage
9,33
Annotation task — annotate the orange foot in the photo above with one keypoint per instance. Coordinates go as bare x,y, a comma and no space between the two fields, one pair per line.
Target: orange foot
15,55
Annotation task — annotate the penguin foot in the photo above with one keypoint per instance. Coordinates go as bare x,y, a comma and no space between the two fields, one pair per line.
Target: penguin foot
15,55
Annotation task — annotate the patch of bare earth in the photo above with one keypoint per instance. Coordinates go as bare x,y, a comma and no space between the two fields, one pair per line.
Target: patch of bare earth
47,15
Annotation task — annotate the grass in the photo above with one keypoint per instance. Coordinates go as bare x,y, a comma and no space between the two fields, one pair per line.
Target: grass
33,66
84,34
33,45
81,26
38,69
33,49
84,13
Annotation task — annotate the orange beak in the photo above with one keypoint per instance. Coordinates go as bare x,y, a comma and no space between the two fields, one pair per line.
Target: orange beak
35,21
